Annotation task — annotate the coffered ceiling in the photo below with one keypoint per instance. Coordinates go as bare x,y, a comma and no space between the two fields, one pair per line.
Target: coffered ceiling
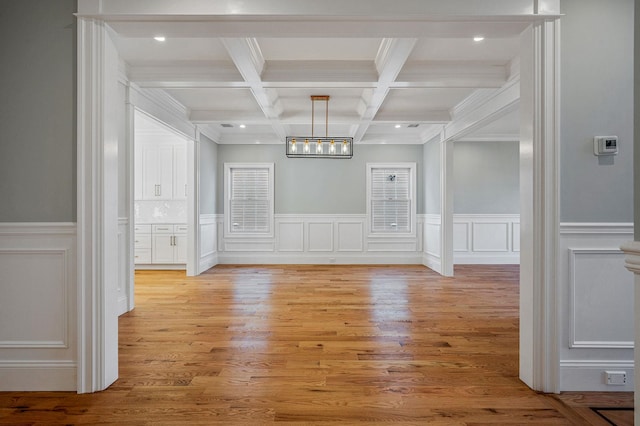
390,81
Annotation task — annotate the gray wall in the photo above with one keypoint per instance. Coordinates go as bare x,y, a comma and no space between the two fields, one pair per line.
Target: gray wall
432,177
208,175
307,186
596,99
486,178
37,111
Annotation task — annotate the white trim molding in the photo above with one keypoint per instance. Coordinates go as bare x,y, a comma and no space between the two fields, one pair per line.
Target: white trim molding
539,204
586,375
97,172
37,376
38,263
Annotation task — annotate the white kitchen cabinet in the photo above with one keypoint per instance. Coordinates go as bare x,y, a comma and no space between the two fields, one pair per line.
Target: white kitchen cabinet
180,248
180,172
160,171
142,244
168,244
157,172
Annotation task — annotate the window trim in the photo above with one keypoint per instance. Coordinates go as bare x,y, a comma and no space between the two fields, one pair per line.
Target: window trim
228,233
412,199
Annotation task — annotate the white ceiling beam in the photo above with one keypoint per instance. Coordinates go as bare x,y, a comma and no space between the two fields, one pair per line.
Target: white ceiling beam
209,131
452,74
247,57
331,8
500,137
354,72
429,116
392,55
226,116
187,74
482,108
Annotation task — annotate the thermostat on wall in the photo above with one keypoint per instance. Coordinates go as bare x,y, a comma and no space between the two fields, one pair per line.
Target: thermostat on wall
605,145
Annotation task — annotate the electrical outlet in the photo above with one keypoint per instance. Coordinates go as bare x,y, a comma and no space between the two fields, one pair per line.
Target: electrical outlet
615,378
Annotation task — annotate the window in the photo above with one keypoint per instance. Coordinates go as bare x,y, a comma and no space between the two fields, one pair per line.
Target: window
248,199
391,197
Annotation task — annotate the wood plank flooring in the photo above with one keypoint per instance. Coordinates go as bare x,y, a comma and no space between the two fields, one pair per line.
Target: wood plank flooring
312,345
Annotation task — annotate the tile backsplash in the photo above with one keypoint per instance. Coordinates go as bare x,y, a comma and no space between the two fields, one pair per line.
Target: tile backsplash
160,211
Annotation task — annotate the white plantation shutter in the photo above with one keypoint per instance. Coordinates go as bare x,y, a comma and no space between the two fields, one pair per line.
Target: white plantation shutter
249,200
390,200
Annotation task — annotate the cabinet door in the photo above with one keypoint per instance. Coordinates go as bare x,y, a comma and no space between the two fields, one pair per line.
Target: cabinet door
180,172
137,171
149,174
180,249
162,251
157,172
165,172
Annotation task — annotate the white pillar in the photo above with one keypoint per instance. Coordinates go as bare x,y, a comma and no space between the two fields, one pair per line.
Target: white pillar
446,207
97,207
539,206
632,262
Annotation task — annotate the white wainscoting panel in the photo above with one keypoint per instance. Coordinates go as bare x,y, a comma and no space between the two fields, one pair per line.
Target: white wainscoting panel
490,236
595,297
431,247
34,303
208,241
320,236
37,307
461,237
321,239
486,239
350,236
432,235
515,236
290,236
601,299
124,267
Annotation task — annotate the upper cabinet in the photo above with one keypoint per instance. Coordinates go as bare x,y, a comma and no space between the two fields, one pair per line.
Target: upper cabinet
160,171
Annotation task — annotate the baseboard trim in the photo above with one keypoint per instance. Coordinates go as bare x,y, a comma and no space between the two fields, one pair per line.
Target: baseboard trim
432,262
208,262
123,305
161,267
589,376
29,376
368,259
486,260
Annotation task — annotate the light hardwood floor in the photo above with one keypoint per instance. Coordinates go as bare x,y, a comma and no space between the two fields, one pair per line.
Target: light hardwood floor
303,345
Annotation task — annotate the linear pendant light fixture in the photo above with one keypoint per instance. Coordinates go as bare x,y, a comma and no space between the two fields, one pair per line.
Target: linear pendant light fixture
319,147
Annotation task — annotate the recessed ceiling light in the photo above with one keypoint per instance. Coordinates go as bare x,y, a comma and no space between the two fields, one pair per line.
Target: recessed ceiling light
159,38
242,126
478,39
398,126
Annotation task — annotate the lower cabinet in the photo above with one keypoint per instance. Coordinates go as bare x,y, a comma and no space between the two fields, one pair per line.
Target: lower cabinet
169,244
159,244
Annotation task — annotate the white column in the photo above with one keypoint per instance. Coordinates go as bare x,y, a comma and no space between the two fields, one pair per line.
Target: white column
539,206
632,262
130,126
446,207
632,249
97,207
193,206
